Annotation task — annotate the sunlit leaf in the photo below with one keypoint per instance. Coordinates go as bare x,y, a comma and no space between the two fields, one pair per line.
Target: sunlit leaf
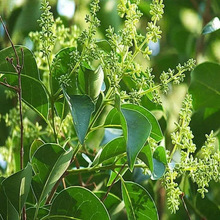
17,186
212,26
138,202
49,162
79,203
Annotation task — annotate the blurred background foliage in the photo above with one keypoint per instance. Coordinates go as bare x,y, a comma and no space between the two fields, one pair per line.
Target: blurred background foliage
182,26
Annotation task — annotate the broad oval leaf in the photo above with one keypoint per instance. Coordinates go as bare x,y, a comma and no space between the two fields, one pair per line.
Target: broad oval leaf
212,26
79,203
136,131
138,202
33,91
17,186
112,149
49,163
156,132
205,86
81,107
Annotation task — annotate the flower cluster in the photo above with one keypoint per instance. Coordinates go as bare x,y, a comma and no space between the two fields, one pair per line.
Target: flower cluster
46,22
201,169
176,78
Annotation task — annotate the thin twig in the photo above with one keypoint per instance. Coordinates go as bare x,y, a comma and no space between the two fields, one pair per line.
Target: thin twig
106,194
20,110
184,205
18,68
6,31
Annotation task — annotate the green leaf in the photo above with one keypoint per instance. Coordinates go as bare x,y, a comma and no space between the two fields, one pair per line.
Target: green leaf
93,81
138,202
156,132
7,211
159,169
17,186
33,90
34,146
138,129
160,154
204,87
212,26
111,202
78,202
30,212
49,163
81,107
104,45
61,66
113,149
30,65
147,157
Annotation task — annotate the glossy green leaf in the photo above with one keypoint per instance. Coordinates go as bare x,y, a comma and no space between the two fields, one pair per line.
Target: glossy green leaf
159,169
93,80
7,211
147,157
138,129
138,202
81,107
113,118
34,146
160,154
17,186
205,86
110,202
33,91
30,65
156,132
212,26
49,162
113,149
78,202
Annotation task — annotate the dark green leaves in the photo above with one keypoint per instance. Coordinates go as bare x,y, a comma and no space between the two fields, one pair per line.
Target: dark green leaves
78,203
81,107
49,163
136,131
212,26
17,186
33,91
138,202
205,86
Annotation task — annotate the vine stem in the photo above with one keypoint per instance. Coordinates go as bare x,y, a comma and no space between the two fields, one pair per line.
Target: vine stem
18,68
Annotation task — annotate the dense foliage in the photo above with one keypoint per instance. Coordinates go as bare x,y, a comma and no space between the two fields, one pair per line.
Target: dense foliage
87,118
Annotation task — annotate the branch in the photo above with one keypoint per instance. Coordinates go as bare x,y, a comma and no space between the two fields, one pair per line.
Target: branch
18,68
